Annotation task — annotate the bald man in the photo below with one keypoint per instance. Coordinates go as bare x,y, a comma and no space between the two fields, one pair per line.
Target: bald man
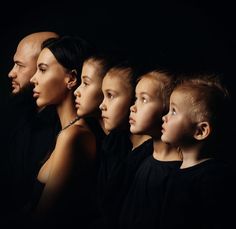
25,59
28,133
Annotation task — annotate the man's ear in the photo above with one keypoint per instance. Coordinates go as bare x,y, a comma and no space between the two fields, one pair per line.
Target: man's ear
203,130
72,79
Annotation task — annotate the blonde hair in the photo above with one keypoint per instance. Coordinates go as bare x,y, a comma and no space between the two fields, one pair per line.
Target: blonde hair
207,96
166,82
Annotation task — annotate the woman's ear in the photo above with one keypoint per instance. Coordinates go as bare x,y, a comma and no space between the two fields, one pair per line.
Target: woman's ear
203,130
72,79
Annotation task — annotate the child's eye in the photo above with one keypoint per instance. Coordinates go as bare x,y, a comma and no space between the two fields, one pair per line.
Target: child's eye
144,100
110,96
173,111
84,84
141,100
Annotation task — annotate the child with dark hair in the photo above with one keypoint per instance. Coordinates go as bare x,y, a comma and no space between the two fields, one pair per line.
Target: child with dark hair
118,90
89,93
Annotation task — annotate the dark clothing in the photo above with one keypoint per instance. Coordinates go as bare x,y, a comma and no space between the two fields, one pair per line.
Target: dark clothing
201,196
100,135
115,149
75,205
142,206
73,208
118,166
29,136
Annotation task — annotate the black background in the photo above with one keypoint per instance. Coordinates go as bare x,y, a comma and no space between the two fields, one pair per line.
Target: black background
185,35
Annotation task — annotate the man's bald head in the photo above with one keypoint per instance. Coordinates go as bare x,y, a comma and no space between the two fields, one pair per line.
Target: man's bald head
35,40
25,59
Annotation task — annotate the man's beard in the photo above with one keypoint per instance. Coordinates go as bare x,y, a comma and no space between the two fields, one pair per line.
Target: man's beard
27,90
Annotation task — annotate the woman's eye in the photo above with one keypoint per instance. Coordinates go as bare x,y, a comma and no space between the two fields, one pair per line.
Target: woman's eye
42,70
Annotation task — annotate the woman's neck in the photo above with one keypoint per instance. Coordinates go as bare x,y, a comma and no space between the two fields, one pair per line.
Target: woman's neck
66,111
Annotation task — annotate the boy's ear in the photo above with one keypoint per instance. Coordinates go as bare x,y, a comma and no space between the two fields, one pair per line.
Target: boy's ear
203,130
72,79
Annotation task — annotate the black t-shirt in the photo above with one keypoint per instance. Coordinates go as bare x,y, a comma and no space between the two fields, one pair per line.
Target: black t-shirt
142,206
117,169
201,196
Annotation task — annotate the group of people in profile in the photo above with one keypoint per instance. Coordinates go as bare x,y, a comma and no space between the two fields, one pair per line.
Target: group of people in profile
93,141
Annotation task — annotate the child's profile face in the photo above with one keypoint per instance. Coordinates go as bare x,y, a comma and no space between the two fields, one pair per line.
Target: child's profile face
178,128
118,97
89,93
146,113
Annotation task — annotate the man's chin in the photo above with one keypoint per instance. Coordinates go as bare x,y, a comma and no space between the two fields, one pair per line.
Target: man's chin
22,91
15,91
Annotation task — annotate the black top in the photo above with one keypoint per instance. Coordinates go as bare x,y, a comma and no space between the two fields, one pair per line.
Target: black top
29,136
142,206
100,135
201,196
114,151
118,166
121,185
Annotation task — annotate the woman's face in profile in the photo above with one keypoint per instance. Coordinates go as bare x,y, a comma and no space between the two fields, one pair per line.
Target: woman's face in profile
50,80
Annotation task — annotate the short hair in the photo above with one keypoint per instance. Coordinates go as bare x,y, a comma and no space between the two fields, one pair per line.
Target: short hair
208,96
210,101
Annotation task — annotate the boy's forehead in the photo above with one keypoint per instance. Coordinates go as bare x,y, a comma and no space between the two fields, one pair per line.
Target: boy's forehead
181,96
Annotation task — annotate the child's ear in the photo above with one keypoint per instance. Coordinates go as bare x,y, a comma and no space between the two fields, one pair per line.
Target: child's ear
72,79
203,130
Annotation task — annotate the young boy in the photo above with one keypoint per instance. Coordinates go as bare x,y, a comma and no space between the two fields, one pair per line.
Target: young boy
200,193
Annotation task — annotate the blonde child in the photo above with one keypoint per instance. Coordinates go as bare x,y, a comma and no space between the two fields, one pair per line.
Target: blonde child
142,206
201,193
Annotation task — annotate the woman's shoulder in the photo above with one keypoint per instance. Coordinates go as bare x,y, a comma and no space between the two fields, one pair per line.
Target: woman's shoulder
76,132
76,138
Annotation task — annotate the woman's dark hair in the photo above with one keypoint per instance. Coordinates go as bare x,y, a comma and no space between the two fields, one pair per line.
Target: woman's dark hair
69,51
